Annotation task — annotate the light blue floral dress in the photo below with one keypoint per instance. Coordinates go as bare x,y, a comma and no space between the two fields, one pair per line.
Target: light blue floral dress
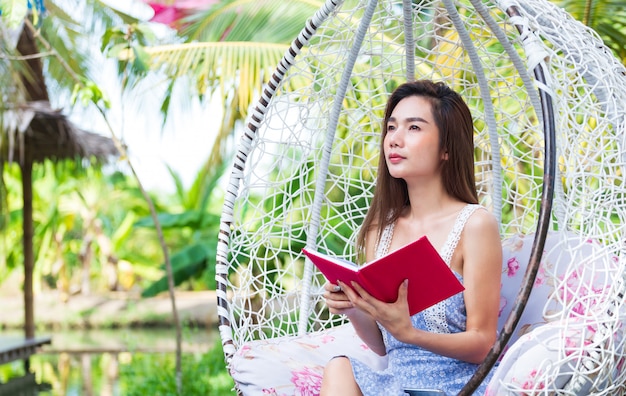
411,366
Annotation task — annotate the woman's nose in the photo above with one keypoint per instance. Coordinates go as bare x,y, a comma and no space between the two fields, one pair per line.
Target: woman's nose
396,138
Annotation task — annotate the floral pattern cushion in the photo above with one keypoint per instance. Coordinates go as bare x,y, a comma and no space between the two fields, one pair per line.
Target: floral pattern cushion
574,275
544,360
570,292
293,365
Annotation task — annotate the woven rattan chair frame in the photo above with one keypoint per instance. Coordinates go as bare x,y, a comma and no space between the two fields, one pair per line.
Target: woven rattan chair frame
536,75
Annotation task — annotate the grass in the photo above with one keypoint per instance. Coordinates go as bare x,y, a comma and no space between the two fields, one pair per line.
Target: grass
202,374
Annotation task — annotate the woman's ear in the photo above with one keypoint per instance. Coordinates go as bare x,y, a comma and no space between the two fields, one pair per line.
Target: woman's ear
444,156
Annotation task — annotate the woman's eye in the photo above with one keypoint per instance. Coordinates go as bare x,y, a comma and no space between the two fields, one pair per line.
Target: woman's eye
414,127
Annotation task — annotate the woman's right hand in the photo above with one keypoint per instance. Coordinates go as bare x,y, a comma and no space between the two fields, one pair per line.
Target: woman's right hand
336,300
365,326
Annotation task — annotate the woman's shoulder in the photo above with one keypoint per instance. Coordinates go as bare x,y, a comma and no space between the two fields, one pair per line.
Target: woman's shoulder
480,219
482,243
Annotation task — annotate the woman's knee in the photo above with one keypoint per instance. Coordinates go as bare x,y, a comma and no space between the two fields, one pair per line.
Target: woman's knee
338,378
341,363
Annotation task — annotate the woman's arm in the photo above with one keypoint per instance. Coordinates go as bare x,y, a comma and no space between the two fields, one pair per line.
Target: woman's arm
364,324
480,249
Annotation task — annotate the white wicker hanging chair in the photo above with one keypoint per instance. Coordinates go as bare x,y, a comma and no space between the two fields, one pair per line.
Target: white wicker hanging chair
549,103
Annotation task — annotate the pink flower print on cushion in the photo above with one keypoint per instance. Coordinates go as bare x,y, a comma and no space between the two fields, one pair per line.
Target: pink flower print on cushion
578,340
597,297
328,338
573,280
531,382
244,351
313,343
518,244
572,345
311,346
566,286
270,392
512,266
576,290
308,382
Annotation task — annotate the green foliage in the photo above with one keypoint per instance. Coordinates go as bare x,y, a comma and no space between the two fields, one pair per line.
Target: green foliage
69,210
250,21
88,92
187,263
204,374
192,232
139,373
13,12
129,42
191,218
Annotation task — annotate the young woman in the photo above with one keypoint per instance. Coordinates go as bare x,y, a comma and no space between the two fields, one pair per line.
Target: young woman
425,186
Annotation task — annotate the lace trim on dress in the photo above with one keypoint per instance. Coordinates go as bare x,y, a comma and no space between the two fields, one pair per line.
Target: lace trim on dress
435,316
455,235
385,241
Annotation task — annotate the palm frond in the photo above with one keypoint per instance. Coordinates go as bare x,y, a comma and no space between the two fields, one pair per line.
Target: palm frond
220,66
250,20
71,30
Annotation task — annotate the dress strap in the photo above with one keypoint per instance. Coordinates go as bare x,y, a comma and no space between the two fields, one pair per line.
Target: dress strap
455,234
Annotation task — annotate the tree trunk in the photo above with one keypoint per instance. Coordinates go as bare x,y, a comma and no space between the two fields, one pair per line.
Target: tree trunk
29,258
35,89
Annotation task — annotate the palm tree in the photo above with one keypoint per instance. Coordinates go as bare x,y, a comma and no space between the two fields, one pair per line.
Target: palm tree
229,50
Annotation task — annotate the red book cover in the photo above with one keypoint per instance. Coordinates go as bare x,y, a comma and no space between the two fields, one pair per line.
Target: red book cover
430,279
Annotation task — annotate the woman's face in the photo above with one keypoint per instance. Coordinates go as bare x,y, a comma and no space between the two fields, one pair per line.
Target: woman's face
411,144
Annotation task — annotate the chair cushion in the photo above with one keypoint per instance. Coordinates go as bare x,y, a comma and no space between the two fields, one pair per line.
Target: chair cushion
574,276
569,301
293,365
546,359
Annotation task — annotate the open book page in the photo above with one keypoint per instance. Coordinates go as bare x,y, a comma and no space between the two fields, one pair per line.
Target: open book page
334,268
334,259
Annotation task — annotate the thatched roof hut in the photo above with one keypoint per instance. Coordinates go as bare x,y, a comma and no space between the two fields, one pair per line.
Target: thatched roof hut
33,133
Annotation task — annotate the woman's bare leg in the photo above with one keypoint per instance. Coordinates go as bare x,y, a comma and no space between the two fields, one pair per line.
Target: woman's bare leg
338,379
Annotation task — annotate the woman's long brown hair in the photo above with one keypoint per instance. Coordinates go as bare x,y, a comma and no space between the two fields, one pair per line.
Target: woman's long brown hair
456,137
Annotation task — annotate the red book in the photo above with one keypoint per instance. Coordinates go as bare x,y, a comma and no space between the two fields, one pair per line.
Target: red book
430,279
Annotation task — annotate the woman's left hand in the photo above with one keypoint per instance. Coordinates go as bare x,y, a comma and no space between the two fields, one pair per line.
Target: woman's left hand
394,317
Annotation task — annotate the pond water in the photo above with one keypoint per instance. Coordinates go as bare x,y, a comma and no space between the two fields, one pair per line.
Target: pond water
106,362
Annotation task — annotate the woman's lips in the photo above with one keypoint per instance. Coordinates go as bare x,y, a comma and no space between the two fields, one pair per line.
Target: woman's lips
395,158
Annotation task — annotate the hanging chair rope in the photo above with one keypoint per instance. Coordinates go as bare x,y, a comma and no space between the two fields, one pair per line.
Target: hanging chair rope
409,40
323,168
489,116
